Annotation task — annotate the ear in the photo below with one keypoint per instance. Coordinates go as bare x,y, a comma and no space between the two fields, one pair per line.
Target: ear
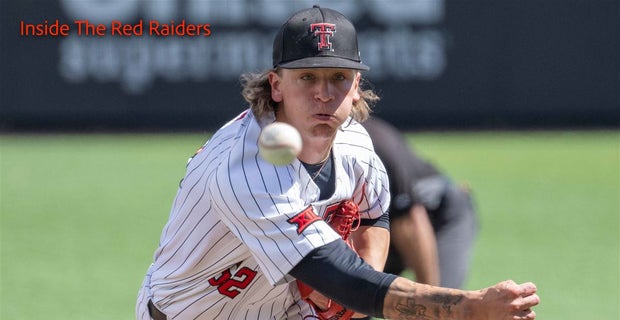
274,81
356,86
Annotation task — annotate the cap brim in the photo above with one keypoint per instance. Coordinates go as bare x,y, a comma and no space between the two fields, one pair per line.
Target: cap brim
323,62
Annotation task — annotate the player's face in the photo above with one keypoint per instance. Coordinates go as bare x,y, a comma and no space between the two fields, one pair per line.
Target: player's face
316,101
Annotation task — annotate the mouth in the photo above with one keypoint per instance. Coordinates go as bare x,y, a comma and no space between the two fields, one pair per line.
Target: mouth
323,116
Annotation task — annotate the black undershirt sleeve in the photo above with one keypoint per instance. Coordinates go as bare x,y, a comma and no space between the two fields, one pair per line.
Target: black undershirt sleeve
339,273
383,221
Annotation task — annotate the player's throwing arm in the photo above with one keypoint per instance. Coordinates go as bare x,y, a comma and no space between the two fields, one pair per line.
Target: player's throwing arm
506,300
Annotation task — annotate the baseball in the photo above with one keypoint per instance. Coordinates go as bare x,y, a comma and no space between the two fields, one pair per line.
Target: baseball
279,143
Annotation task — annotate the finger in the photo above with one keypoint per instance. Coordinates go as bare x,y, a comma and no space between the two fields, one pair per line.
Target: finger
527,289
509,283
530,301
525,315
505,285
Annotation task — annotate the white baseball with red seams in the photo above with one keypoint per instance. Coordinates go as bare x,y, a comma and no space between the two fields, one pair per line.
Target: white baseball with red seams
279,143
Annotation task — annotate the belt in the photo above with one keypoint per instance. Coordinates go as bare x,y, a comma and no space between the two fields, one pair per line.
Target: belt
155,313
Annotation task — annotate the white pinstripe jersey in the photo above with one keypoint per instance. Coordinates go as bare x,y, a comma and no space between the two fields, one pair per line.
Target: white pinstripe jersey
238,225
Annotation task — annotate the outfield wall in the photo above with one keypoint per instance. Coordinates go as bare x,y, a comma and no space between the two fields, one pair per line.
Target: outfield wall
471,64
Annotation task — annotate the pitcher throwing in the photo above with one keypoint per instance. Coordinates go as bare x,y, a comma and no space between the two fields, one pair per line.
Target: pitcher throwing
247,239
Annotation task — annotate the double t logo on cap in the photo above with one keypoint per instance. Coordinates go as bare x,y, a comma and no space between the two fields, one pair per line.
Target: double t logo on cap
306,40
324,31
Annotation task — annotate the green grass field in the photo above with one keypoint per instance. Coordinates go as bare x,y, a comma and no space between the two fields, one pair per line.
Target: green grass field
81,216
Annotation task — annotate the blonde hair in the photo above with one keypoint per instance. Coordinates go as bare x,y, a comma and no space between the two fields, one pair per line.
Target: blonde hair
257,92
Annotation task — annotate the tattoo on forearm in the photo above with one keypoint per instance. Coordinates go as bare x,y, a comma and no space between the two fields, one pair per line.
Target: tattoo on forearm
446,301
412,311
415,311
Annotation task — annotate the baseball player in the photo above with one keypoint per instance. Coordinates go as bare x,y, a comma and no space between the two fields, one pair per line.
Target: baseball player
249,240
433,221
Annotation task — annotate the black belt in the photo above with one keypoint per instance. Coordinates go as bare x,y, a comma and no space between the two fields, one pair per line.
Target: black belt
155,313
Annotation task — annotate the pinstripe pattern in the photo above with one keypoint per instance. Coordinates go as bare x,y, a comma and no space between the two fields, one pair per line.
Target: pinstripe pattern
229,222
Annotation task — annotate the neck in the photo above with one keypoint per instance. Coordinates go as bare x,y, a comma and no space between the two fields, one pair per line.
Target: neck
315,150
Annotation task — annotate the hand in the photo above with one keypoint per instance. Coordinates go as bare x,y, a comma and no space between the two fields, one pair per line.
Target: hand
508,300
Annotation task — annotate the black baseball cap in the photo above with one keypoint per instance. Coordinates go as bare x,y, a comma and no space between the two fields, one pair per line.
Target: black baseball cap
317,38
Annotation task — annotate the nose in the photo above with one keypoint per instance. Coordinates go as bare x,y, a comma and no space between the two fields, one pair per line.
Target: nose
324,91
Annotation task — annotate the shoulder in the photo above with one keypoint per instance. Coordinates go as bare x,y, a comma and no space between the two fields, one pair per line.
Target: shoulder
242,168
364,169
229,142
353,137
355,148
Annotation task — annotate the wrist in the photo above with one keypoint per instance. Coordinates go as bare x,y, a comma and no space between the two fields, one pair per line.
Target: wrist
471,305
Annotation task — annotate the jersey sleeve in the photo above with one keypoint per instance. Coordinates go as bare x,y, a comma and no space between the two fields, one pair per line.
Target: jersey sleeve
375,191
372,186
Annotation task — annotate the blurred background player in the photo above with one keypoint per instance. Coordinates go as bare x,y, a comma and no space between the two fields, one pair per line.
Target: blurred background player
433,220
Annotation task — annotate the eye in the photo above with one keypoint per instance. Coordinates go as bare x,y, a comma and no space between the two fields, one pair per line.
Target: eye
339,76
307,76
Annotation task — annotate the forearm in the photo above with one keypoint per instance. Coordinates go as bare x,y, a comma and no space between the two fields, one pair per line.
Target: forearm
506,300
406,299
337,271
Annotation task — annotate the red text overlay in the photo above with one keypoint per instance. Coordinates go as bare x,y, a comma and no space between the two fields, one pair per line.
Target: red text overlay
115,28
